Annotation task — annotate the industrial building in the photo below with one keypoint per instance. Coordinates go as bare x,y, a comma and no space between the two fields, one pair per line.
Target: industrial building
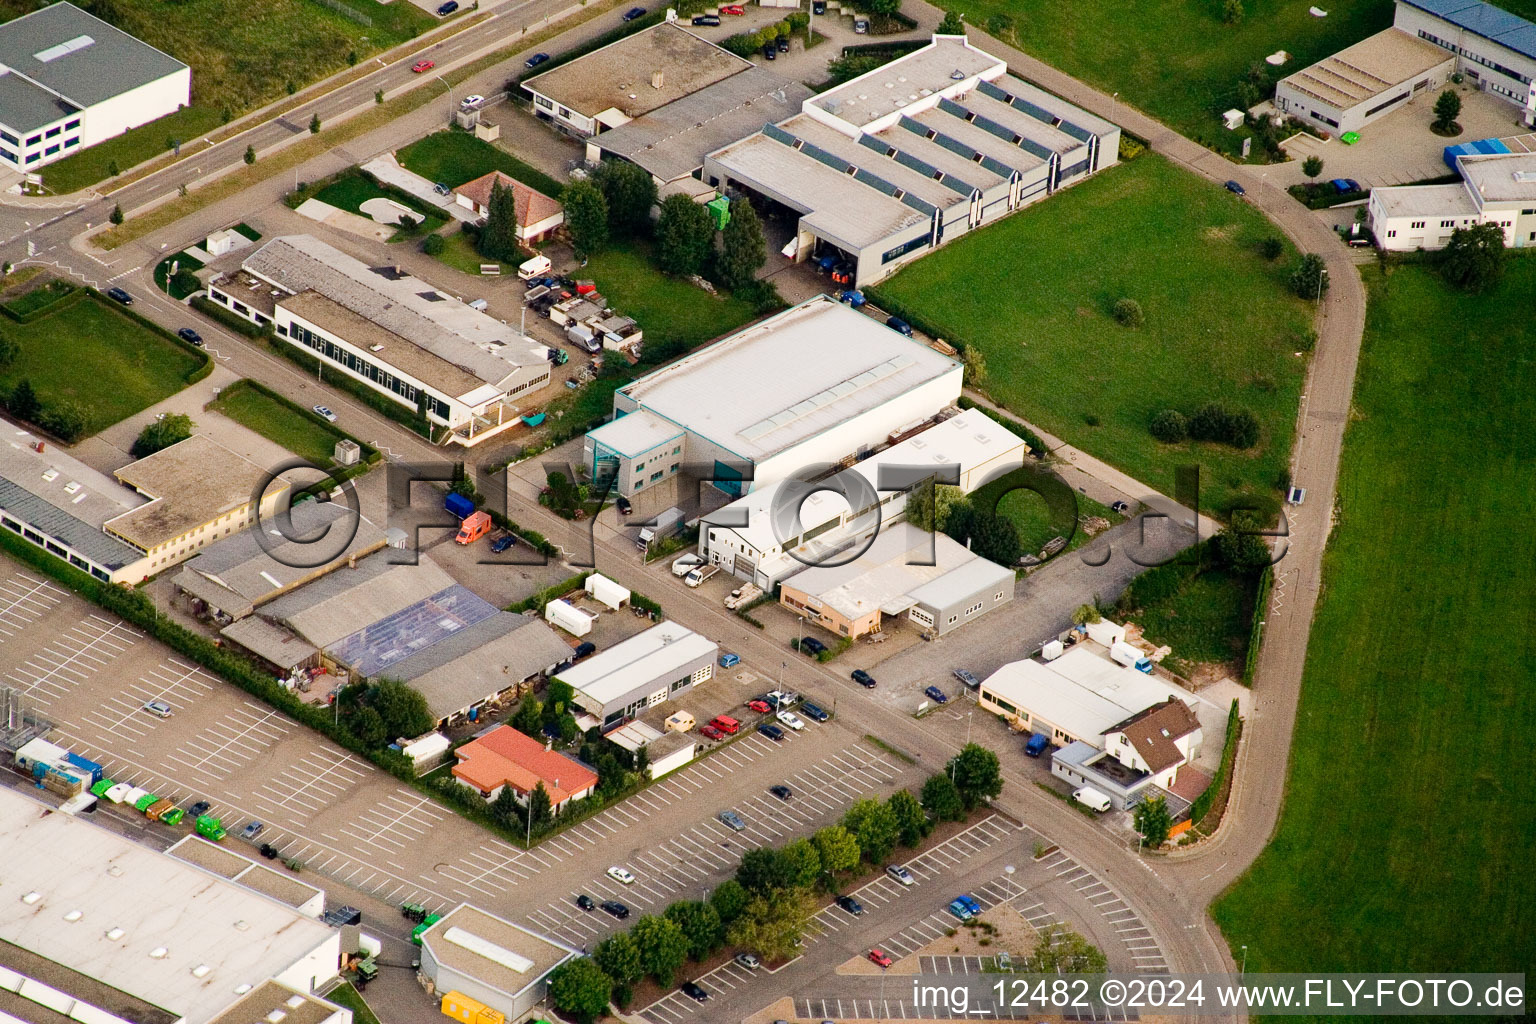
416,345
887,167
506,759
733,414
1493,48
620,683
627,79
1494,189
1357,85
100,929
471,955
937,583
777,530
70,80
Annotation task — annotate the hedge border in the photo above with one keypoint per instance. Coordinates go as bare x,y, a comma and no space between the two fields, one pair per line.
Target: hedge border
371,455
1201,806
1256,634
74,295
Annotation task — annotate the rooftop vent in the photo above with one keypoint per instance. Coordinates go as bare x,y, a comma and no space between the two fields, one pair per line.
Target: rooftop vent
201,971
242,988
116,871
50,474
1525,176
274,1017
71,487
73,916
67,47
956,75
115,933
159,953
242,926
295,1001
31,898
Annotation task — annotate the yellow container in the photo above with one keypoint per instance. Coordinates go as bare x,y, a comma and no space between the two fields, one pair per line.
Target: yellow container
470,1011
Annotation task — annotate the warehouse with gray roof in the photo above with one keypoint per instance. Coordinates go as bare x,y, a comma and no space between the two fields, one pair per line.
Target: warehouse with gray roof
894,163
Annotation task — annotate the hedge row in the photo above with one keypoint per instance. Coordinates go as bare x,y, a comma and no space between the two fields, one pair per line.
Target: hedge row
238,324
67,298
1256,634
1202,803
1012,425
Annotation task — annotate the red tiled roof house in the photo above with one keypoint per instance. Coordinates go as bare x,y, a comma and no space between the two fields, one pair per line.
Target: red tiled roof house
537,215
505,757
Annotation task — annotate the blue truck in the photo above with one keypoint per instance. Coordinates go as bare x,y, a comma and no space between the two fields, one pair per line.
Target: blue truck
85,764
1037,744
459,505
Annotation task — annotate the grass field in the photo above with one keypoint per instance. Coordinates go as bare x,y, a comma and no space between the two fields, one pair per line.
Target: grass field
242,56
39,298
92,354
1034,292
306,435
1202,611
670,311
1408,806
1037,521
459,253
454,157
351,191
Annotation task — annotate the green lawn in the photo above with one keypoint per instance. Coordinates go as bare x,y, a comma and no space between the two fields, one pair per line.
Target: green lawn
454,157
671,312
459,253
242,55
1034,292
1203,612
303,433
1405,840
347,995
40,297
96,356
182,261
351,191
1037,521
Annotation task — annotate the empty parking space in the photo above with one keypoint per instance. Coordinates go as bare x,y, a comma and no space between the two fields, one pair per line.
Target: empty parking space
24,599
231,743
1141,948
72,658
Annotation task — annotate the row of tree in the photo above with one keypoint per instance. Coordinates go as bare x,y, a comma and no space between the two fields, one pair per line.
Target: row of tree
947,509
64,419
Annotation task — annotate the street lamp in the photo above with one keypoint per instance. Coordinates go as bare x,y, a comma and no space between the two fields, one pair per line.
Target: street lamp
1008,869
440,78
1244,969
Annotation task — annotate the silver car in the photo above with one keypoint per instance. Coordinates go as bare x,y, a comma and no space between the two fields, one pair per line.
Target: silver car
733,821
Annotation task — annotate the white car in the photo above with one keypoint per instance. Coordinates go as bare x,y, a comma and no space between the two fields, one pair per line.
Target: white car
474,101
325,413
621,876
790,719
901,874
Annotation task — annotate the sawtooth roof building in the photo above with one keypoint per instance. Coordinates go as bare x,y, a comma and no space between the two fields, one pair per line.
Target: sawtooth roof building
69,80
894,163
404,338
735,414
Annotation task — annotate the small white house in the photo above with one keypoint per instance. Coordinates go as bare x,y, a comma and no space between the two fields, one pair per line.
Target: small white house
1157,741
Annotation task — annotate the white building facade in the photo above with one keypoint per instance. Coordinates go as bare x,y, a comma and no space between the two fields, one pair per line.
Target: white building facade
1497,189
1494,48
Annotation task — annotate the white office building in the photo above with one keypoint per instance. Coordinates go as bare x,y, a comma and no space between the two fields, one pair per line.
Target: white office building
1493,48
1495,189
68,80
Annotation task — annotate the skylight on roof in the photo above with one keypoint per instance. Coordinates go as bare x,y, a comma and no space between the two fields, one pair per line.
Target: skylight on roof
67,47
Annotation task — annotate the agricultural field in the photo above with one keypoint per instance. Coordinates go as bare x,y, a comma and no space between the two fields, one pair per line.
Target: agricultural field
1221,324
454,157
1410,787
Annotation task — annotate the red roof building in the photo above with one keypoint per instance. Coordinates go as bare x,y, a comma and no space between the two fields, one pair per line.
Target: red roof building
537,215
505,757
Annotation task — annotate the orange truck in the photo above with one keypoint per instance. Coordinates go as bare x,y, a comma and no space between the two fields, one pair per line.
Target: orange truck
474,527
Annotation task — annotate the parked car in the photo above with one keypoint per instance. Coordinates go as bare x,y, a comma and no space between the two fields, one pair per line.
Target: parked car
685,564
633,13
441,189
967,680
621,875
725,724
861,26
474,101
748,961
118,295
773,732
783,44
535,60
706,19
252,830
880,959
623,505
818,6
863,678
586,902
1235,188
1037,744
709,732
325,413
733,9
1354,186
732,821
781,791
899,325
781,699
585,648
760,706
729,660
809,645
901,874
615,908
201,807
422,66
571,385
813,712
1343,186
448,8
158,707
693,990
851,905
936,695
770,52
190,336
790,719
503,542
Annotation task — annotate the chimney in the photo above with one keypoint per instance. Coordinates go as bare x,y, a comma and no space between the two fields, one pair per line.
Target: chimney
657,79
548,744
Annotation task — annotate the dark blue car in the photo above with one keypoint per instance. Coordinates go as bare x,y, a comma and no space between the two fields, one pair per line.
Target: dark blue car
773,732
936,695
448,8
501,544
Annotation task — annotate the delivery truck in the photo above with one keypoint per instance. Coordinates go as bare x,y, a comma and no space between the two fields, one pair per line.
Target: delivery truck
459,505
475,526
664,526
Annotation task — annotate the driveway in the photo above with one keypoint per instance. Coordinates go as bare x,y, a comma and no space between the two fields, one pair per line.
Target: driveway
389,171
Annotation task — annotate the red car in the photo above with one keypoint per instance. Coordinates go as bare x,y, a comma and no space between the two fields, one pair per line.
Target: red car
732,9
726,724
711,733
878,958
423,65
760,706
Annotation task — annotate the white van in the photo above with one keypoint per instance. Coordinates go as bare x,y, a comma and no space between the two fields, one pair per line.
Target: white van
1092,799
535,267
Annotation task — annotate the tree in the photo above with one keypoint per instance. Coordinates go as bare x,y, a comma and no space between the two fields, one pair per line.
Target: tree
875,826
569,730
1312,166
684,236
250,155
498,235
977,775
729,899
24,403
314,125
1447,109
975,365
162,433
1169,426
9,350
66,419
619,957
1084,614
368,726
505,808
1309,278
528,719
743,248
1242,550
1061,950
1153,820
763,870
802,862
1474,257
1270,247
1128,313
772,925
581,989
911,822
433,245
952,25
586,217
995,538
663,947
630,192
941,799
700,924
116,216
538,804
881,7
112,170
1232,12
839,851
404,710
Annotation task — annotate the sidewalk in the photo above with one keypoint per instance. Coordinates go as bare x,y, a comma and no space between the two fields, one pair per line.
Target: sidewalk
388,170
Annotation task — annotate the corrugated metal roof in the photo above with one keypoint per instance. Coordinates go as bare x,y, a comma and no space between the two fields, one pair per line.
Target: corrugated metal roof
485,658
57,523
1486,20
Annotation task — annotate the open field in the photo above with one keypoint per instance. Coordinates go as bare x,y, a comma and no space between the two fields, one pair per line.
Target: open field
670,310
1410,789
454,157
91,354
1034,293
242,56
1203,611
303,434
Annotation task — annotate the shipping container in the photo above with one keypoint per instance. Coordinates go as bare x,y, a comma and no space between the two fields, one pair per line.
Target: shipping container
469,1011
210,827
96,771
173,816
459,505
431,920
39,751
100,788
119,793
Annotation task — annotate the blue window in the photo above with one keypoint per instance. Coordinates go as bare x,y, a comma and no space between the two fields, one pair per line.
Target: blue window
72,142
72,125
8,137
33,158
54,131
8,155
34,139
51,150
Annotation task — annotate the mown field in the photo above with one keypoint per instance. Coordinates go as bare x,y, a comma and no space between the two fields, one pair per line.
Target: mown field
1405,840
1034,292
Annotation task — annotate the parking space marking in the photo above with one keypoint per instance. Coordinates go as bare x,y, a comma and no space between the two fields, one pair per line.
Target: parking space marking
232,742
78,654
24,600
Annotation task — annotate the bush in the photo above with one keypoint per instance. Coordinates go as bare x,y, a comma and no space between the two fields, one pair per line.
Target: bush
433,245
1271,247
1215,422
1128,313
1309,277
1169,426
